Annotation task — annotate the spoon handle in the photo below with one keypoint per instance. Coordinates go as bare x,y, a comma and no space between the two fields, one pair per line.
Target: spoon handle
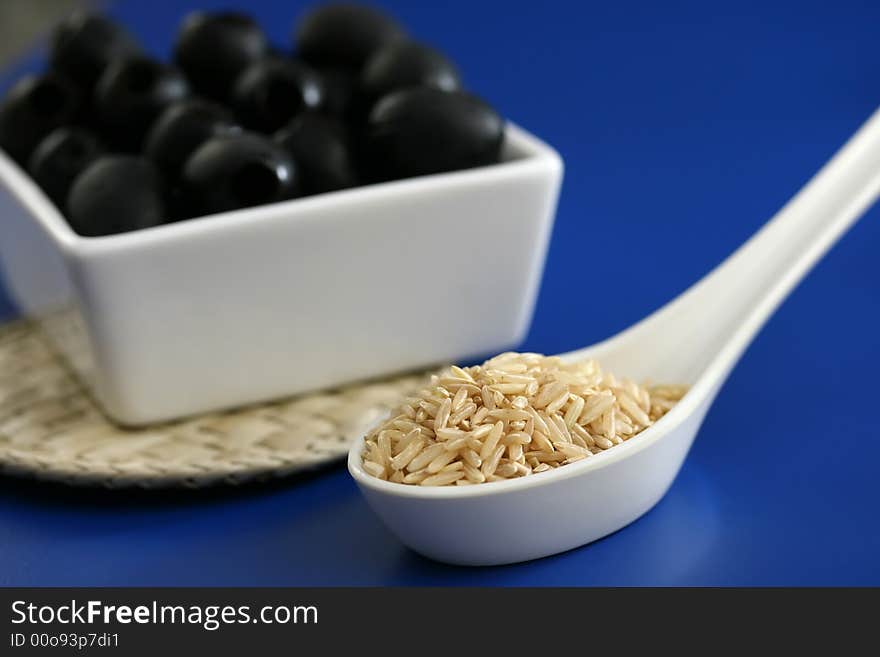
716,319
759,275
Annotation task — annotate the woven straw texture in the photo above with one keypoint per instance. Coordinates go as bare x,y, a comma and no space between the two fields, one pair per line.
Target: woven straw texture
51,429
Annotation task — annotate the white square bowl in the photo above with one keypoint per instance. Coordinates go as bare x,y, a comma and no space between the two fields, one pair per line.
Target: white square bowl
280,299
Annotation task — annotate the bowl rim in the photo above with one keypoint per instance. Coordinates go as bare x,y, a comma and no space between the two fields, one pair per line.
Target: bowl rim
536,155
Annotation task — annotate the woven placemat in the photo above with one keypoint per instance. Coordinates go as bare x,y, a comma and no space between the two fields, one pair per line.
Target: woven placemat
50,428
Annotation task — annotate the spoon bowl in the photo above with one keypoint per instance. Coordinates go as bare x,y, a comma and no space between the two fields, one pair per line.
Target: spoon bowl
541,514
695,339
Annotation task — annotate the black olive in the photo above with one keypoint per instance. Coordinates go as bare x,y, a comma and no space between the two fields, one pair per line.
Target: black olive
130,96
82,46
404,64
214,48
319,147
273,91
178,205
182,128
116,194
60,158
343,35
422,130
34,107
238,171
340,87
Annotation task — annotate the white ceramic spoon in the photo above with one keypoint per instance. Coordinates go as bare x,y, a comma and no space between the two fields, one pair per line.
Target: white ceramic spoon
695,339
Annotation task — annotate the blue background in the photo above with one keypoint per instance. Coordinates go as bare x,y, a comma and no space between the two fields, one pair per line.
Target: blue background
684,126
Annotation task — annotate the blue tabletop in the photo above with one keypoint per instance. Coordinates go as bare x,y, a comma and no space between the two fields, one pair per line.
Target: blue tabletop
684,126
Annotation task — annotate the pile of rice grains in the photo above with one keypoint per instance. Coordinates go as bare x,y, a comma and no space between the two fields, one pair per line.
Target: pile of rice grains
514,415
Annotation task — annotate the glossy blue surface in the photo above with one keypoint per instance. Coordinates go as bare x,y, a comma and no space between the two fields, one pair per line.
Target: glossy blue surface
683,128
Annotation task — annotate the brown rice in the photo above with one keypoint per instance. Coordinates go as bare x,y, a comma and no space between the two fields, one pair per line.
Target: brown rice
516,414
